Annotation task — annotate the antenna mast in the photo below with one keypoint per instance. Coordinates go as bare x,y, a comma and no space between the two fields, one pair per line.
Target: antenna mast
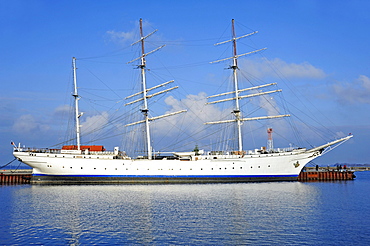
75,95
270,143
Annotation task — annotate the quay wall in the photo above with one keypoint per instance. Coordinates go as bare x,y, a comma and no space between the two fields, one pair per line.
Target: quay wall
309,174
15,176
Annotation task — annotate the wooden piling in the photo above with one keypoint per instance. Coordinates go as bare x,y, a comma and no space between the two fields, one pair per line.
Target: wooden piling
15,177
24,176
326,175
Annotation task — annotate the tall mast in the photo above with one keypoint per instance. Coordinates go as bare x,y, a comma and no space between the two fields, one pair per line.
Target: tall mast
144,96
237,113
75,95
145,109
235,78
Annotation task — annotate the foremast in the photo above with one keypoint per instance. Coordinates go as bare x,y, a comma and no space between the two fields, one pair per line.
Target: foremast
145,90
237,112
145,108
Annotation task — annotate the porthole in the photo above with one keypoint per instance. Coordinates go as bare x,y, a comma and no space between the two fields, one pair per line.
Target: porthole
116,169
82,168
94,168
268,165
241,167
70,167
259,166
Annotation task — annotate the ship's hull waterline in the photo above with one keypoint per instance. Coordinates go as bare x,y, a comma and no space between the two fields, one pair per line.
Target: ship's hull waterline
71,169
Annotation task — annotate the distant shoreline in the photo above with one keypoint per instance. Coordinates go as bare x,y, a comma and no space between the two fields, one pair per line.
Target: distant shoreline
343,168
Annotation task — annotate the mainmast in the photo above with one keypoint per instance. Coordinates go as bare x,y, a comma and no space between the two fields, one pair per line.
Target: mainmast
75,95
145,90
237,113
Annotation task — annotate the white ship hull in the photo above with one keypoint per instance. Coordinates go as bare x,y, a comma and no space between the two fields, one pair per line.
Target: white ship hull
69,168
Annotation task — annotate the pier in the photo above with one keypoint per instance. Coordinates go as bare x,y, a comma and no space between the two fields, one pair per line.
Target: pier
326,175
21,176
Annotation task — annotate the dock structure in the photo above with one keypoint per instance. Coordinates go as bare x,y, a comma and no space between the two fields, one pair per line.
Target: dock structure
310,174
15,176
326,175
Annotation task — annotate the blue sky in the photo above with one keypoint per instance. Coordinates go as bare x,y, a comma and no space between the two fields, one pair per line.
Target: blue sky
318,48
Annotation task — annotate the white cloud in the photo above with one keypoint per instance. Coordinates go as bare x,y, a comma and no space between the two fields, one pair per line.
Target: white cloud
95,122
269,104
62,110
187,129
365,81
278,68
26,124
121,37
355,92
197,112
130,36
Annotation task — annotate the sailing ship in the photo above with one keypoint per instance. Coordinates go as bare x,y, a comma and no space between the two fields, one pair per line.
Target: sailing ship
93,164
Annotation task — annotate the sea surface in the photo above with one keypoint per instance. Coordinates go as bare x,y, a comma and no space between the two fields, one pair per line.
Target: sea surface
279,213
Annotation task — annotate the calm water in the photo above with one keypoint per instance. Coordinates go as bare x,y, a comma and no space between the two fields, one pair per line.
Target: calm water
283,213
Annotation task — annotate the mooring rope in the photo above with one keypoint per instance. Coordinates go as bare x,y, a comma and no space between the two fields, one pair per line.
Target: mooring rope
8,163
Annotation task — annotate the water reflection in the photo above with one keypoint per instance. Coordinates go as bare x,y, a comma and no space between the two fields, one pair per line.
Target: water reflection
157,214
